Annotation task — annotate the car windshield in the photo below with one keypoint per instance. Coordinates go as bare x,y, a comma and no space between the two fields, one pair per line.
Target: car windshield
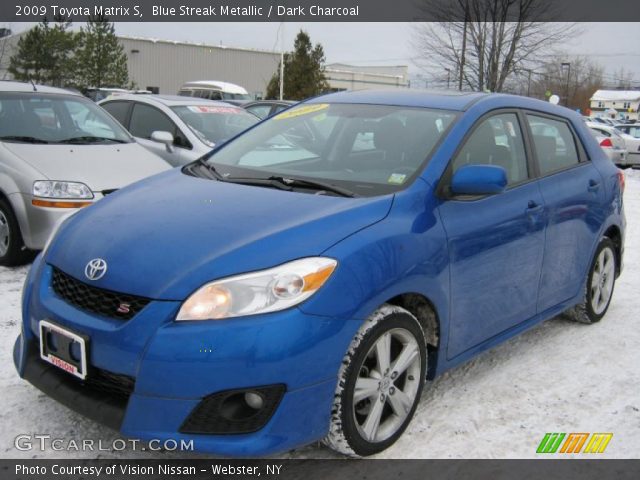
215,124
55,118
367,149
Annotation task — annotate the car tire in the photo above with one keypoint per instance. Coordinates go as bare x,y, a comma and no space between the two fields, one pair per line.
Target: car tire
600,284
373,420
12,249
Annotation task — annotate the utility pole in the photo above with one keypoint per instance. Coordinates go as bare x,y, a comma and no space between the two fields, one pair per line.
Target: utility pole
448,78
529,83
282,61
464,44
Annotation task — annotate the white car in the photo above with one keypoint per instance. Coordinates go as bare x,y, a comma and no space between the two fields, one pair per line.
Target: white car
614,144
178,129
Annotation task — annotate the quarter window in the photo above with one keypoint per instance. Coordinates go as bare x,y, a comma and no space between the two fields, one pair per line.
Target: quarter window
145,120
118,110
554,144
496,141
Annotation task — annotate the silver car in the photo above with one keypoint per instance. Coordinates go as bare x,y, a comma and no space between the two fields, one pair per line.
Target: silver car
58,152
613,144
179,129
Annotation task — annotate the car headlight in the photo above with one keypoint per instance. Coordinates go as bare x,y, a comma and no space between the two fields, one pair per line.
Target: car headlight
58,189
258,292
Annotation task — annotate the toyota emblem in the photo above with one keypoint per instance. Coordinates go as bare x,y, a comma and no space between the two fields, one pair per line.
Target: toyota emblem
95,269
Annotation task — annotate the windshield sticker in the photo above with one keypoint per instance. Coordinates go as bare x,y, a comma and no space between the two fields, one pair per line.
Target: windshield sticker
301,111
397,178
211,109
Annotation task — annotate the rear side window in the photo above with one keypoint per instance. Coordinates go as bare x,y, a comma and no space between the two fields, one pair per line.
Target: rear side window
554,143
118,110
496,141
145,120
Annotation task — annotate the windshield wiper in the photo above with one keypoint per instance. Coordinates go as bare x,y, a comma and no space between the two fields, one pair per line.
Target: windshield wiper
313,184
90,139
206,167
24,139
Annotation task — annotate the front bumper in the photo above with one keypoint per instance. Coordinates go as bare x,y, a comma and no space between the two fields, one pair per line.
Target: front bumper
37,223
175,365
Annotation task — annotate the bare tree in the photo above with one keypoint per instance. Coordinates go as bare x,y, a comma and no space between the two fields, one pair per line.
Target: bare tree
5,53
575,85
485,42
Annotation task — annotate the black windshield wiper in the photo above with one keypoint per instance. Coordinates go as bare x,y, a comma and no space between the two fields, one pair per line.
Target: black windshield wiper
313,184
24,139
207,167
90,139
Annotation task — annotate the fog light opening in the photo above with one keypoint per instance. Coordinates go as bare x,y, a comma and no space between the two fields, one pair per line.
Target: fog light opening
241,406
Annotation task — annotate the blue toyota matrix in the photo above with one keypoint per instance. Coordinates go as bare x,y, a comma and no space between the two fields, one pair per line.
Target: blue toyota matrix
303,280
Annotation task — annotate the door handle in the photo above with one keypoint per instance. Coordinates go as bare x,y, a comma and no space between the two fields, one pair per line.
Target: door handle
593,185
534,207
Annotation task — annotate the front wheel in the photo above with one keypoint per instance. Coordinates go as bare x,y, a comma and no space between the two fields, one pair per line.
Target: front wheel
380,383
599,288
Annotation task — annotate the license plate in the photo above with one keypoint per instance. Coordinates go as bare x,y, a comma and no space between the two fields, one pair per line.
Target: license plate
64,349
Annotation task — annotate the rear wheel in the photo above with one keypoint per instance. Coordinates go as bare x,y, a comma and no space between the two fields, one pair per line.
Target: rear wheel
12,249
599,287
380,383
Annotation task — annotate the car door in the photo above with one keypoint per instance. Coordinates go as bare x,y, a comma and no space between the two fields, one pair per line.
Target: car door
573,193
495,242
146,119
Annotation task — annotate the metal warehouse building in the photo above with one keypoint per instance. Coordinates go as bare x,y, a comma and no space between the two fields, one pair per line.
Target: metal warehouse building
167,65
163,66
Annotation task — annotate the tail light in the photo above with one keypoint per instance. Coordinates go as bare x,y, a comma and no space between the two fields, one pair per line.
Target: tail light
606,143
621,180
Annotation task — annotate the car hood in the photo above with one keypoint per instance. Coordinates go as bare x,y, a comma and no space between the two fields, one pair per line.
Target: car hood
165,237
100,167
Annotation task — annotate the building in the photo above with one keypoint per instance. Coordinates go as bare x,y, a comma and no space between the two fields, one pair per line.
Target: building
350,77
162,66
616,104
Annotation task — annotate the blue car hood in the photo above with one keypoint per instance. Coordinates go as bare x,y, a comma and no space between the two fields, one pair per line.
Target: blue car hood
166,236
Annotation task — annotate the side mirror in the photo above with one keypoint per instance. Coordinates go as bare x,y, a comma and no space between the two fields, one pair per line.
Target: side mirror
479,180
161,136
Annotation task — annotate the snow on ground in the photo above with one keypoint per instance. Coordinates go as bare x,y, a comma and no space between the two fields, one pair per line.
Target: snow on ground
557,377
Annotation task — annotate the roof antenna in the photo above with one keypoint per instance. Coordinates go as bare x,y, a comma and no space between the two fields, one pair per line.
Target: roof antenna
33,84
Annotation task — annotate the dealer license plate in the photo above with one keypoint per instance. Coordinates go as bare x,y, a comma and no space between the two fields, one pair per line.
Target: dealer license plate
63,348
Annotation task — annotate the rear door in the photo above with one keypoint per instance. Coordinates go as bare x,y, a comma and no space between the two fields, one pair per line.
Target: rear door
495,242
573,193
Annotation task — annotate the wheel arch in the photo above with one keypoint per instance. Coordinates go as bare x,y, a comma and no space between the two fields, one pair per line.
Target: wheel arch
426,313
615,235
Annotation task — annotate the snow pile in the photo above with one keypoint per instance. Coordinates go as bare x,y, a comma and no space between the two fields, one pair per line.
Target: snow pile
558,377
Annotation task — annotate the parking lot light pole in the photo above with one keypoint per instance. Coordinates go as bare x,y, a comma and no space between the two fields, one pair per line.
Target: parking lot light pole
568,65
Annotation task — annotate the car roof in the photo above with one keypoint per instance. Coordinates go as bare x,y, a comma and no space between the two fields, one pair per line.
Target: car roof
11,86
269,102
443,99
224,86
167,100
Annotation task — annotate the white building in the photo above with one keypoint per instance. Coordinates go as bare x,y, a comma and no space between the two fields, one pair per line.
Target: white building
350,77
616,104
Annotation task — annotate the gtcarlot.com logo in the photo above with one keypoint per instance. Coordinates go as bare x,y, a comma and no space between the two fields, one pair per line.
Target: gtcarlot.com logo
573,443
44,442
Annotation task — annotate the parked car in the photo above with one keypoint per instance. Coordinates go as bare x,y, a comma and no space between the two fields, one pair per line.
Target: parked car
178,129
266,108
58,152
215,90
300,284
632,129
97,94
623,149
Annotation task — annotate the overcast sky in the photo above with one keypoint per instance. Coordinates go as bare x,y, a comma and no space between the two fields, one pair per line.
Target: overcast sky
613,45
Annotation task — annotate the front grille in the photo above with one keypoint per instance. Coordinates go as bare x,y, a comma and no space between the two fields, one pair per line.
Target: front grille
96,300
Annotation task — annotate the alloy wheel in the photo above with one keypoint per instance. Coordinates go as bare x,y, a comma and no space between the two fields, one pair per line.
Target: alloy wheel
604,272
387,385
5,234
